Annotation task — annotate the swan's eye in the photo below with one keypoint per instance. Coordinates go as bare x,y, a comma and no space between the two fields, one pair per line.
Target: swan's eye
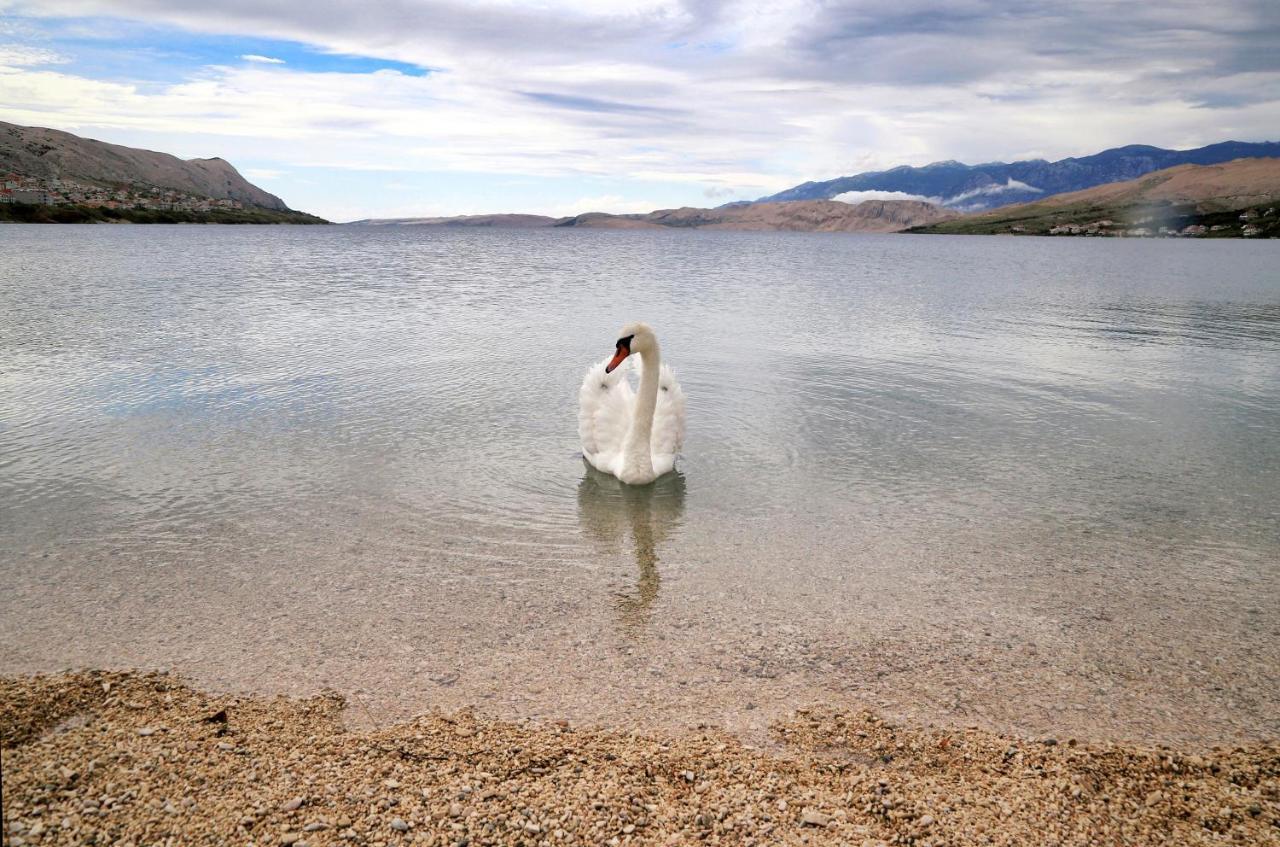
625,342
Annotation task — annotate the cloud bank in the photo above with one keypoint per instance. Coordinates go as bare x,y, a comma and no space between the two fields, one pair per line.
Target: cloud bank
856,197
999,188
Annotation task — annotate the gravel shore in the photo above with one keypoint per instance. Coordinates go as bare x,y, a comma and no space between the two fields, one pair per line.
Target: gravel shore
120,758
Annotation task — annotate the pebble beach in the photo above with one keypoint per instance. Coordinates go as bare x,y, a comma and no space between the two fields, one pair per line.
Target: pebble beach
133,759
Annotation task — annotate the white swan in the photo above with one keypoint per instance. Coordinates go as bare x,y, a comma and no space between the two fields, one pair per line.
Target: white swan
633,435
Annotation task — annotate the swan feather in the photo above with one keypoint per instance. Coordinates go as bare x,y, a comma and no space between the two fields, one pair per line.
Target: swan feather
605,404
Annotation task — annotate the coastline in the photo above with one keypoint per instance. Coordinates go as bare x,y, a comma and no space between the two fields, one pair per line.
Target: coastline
114,757
79,214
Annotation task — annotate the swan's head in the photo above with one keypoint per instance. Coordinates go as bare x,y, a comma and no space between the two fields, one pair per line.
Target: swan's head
632,338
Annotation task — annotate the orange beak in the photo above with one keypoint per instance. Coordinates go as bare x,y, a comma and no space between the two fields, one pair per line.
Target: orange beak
623,352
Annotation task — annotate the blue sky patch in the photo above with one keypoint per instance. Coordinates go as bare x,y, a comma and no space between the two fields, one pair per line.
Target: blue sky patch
127,51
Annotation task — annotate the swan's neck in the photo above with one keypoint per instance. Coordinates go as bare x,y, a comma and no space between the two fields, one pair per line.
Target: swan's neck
637,449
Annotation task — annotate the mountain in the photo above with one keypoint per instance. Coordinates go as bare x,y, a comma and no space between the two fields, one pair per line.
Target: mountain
969,188
1208,196
800,216
49,154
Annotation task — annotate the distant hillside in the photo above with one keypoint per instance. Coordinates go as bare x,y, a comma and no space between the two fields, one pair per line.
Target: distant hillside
1231,199
515,221
804,216
816,216
969,188
51,154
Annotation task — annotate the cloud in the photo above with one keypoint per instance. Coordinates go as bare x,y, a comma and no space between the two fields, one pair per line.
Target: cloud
666,97
856,197
997,188
263,60
20,55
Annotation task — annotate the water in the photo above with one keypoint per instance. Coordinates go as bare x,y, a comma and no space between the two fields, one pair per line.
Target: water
1027,483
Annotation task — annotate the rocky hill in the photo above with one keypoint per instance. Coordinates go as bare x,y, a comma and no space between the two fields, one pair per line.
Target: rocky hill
52,154
809,216
801,216
971,188
1231,199
513,221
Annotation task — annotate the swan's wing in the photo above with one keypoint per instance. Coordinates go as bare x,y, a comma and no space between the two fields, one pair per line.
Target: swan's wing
604,410
668,417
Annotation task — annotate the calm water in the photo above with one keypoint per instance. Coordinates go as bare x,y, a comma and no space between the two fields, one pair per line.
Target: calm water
1026,482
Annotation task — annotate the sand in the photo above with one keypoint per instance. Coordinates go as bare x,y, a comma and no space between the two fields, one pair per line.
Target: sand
120,758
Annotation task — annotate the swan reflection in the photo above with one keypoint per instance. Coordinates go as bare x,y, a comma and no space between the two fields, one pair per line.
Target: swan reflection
614,515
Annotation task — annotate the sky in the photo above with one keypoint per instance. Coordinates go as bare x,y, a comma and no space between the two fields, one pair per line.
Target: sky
391,108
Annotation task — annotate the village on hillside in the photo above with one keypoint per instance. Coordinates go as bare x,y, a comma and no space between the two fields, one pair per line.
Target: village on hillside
1114,229
38,191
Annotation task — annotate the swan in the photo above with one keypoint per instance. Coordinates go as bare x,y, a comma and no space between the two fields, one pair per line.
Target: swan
633,435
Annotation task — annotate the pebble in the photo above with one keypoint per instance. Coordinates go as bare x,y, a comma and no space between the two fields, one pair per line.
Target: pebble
812,817
147,730
533,781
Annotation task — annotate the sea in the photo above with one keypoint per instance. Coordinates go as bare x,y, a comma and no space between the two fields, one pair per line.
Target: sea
1031,484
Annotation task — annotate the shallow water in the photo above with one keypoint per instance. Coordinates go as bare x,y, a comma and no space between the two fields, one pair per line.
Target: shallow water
1027,483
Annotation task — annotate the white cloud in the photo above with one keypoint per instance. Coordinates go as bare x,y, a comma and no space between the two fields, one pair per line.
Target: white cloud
669,97
986,190
21,55
856,197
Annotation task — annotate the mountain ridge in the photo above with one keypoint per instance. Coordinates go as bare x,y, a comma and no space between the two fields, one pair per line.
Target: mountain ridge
973,188
1185,199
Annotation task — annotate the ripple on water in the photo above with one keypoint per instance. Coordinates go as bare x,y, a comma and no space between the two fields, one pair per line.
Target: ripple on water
366,439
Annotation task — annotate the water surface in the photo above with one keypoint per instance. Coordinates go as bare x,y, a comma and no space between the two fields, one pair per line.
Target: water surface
1027,483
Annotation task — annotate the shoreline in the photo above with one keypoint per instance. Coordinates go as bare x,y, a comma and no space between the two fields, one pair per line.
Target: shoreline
130,757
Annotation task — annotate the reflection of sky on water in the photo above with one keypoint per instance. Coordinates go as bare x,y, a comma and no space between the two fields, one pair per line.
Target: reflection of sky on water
443,364
868,417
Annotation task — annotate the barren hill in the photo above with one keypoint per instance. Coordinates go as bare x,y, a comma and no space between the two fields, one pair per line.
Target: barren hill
1212,188
50,153
800,215
1185,195
513,221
